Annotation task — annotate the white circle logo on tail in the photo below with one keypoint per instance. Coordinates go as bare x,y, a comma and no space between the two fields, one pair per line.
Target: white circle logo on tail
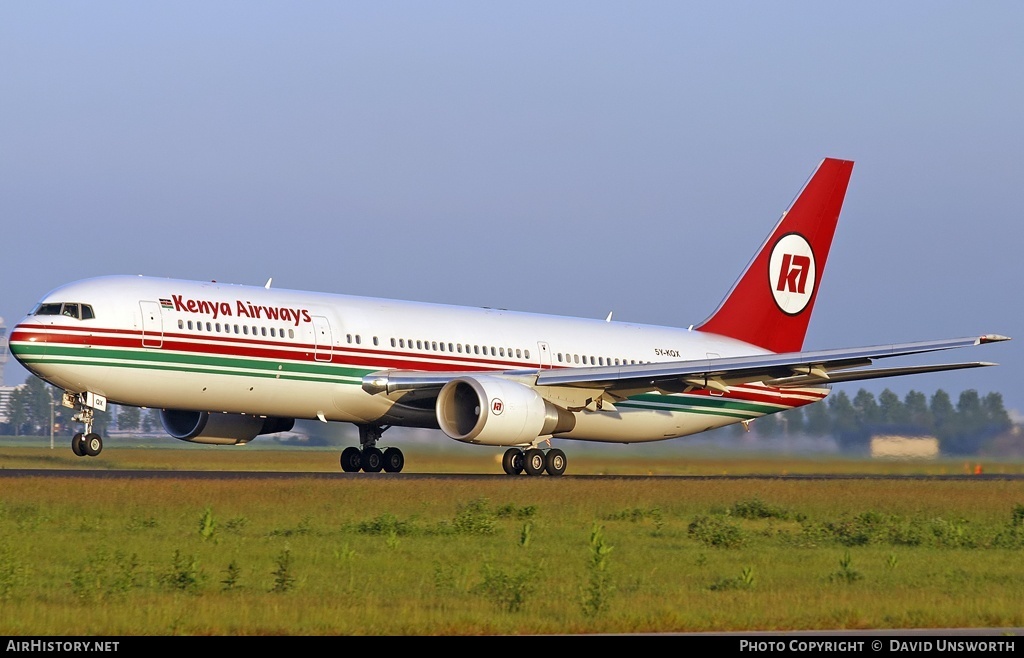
791,273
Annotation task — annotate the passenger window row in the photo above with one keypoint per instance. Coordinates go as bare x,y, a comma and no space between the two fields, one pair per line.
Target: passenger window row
401,343
583,359
460,348
245,330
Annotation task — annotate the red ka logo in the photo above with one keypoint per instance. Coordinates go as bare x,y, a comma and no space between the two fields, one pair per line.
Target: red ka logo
497,406
793,273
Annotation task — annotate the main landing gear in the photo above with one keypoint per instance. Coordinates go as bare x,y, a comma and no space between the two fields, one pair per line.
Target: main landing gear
534,461
87,443
368,457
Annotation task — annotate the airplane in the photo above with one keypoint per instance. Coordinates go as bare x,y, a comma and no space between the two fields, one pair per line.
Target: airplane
227,363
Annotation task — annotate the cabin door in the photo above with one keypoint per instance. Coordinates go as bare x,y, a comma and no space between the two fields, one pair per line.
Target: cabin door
152,325
545,355
322,341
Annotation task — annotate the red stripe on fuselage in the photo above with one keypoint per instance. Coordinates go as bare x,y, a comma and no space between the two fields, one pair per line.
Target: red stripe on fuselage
770,395
261,349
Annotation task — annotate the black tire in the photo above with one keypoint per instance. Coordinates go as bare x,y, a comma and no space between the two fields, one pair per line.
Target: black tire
78,444
533,461
351,460
394,460
554,462
512,461
92,444
373,460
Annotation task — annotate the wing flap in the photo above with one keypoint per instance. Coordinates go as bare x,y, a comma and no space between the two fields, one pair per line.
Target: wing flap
800,381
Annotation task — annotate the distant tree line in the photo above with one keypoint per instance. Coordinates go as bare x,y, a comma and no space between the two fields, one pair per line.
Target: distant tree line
33,406
961,429
133,419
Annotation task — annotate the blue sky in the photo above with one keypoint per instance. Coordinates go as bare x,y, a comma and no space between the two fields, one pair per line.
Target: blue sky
571,157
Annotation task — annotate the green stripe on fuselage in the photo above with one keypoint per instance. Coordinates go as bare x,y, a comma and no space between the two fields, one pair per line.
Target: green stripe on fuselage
188,362
714,405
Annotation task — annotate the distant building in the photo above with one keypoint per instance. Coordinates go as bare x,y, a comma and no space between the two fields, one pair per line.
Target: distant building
5,396
905,447
3,348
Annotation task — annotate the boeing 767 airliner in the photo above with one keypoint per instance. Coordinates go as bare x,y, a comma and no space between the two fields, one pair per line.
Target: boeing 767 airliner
227,363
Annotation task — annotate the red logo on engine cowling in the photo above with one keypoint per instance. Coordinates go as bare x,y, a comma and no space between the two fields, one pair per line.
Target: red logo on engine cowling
497,406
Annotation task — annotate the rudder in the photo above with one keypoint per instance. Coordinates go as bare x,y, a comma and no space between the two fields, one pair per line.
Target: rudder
770,304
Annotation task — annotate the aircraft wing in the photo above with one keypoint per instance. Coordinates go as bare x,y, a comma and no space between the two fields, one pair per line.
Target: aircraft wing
793,369
787,369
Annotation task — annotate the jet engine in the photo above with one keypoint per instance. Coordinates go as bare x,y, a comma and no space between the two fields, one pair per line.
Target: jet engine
497,412
220,429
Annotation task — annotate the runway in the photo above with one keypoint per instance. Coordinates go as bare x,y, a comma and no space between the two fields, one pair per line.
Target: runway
296,475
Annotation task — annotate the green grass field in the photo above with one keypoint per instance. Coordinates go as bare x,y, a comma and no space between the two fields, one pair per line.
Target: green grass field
385,555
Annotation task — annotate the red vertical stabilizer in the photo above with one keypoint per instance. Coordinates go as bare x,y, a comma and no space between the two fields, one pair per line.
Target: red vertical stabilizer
771,303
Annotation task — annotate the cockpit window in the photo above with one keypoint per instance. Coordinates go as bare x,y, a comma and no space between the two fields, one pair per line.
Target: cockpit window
67,309
48,309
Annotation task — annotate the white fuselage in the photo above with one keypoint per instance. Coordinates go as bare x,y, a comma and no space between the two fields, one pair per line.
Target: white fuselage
175,344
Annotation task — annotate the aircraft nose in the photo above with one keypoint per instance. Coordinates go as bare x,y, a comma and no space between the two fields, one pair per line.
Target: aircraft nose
24,342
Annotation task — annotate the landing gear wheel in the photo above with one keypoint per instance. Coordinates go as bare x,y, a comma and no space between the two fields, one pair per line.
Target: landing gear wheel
534,461
554,462
78,444
351,460
92,444
373,460
394,460
512,461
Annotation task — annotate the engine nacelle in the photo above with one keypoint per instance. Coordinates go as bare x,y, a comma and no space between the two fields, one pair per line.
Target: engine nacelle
220,429
497,412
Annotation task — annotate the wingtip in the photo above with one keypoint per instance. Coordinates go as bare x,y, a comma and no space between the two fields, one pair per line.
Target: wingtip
992,338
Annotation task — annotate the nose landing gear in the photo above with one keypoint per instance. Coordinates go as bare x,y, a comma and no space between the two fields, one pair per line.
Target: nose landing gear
87,443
